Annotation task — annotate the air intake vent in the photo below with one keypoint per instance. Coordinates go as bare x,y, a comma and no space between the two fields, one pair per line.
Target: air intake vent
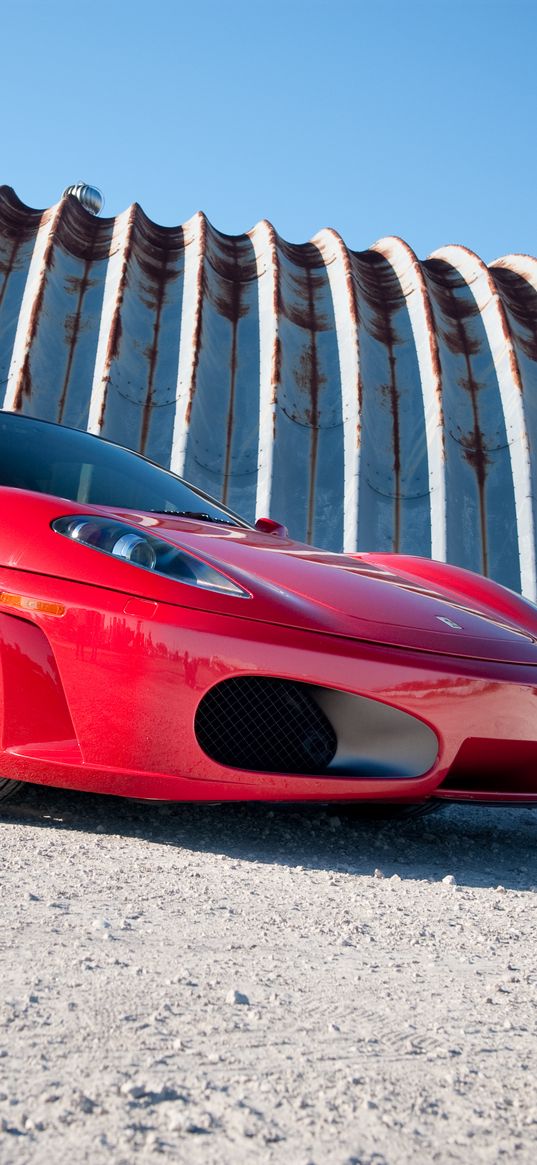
265,725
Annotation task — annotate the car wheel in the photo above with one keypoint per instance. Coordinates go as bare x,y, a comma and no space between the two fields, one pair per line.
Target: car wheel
9,788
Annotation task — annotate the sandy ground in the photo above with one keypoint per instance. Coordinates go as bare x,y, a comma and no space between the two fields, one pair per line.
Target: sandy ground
237,984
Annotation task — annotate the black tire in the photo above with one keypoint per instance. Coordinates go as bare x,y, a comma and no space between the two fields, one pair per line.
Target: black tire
9,788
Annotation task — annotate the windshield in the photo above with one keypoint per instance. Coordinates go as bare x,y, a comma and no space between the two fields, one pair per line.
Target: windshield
52,459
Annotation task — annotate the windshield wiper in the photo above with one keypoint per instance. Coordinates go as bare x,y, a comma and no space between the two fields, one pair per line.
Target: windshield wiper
198,515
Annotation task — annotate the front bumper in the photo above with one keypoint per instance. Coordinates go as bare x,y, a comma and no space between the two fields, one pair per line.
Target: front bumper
103,697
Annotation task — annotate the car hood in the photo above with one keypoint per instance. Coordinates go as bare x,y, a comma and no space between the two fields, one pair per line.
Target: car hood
298,586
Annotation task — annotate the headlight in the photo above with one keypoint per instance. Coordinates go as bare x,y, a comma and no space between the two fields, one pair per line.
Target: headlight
144,550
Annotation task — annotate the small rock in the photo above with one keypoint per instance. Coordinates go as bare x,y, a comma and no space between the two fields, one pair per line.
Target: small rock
237,997
378,873
395,878
500,890
85,1103
449,880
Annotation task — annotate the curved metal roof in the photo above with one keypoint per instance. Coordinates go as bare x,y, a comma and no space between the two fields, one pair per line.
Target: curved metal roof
368,399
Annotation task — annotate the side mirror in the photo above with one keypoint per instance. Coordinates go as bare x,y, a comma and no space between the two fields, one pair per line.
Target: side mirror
269,526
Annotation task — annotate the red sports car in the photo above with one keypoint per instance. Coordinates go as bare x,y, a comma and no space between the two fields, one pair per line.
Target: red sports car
155,645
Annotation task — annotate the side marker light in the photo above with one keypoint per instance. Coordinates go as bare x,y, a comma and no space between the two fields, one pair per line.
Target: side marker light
23,603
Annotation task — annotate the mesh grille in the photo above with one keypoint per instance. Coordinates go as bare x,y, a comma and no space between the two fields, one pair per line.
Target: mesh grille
266,725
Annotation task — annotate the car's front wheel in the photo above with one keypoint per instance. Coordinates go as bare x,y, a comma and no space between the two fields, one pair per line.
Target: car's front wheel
9,788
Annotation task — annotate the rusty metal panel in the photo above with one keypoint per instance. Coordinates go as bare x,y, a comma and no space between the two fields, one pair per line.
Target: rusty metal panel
18,230
515,280
50,359
481,511
308,418
135,370
394,490
368,399
223,419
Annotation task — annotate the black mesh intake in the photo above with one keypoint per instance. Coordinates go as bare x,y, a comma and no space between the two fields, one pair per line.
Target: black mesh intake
265,725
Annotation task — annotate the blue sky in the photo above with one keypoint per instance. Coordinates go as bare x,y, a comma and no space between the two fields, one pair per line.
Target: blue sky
379,117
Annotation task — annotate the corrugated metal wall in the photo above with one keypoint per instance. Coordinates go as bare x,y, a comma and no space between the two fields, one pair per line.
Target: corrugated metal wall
367,399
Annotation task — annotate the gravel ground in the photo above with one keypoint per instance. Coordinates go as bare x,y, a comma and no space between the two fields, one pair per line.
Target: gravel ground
246,984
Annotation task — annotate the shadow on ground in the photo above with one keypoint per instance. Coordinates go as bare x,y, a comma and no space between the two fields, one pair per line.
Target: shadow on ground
480,846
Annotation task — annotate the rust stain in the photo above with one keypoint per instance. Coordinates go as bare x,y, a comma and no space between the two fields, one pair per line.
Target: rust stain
72,327
6,269
82,234
435,358
394,405
476,455
520,299
18,220
24,384
305,314
231,409
232,261
276,365
276,285
231,257
114,335
352,302
160,296
275,378
157,258
305,280
87,237
24,380
383,294
458,312
432,339
235,267
506,332
276,356
201,286
18,224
